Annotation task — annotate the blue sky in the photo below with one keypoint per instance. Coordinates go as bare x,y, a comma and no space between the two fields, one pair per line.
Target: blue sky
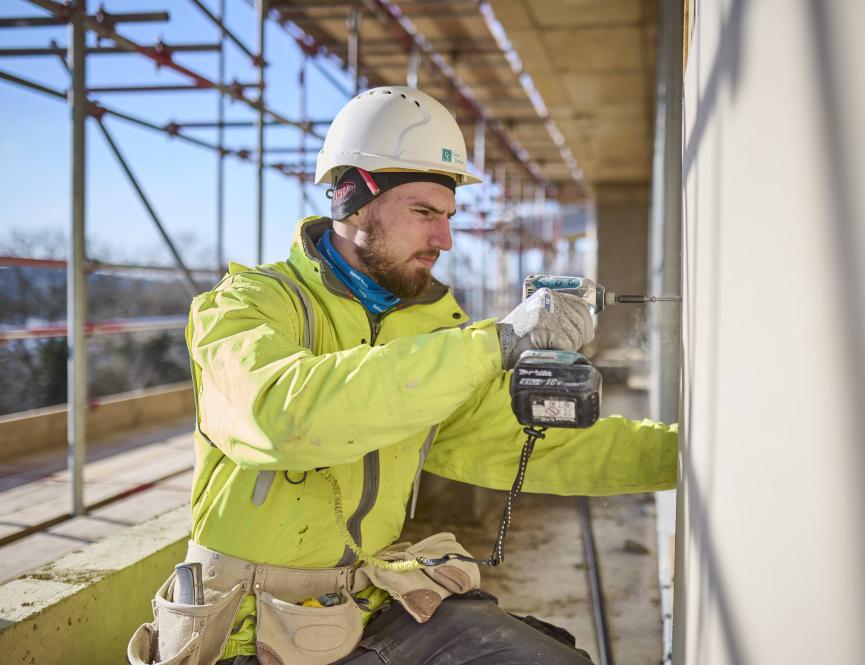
179,179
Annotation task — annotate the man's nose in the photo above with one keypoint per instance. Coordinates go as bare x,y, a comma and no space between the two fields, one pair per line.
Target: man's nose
441,237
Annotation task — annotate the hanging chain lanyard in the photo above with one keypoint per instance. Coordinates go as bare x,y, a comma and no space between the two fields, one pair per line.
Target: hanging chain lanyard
497,556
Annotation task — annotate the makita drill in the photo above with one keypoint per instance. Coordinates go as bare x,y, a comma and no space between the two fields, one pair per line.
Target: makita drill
562,388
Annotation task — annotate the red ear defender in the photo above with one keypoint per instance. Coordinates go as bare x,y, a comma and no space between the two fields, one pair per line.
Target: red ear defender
368,179
357,187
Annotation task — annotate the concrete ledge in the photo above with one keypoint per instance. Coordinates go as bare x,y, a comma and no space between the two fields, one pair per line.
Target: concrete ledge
83,608
44,429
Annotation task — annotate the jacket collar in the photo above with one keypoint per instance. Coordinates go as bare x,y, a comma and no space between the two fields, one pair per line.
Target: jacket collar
308,234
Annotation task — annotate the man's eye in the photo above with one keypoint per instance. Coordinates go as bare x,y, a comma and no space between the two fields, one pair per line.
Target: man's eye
425,213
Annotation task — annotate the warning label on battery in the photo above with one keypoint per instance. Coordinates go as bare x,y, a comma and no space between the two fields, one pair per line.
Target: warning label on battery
554,410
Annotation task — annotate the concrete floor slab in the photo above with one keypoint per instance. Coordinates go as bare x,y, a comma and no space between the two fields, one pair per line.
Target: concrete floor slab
45,546
153,470
544,573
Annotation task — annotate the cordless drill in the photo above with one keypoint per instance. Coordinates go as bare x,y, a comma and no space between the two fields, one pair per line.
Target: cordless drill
562,388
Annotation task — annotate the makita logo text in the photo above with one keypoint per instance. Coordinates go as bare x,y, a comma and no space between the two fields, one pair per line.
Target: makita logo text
535,372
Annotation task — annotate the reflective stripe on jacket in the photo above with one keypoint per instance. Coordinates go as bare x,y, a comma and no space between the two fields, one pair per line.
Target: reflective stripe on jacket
362,402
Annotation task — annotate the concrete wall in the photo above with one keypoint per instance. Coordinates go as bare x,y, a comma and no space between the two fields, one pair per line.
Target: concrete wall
771,556
83,608
44,429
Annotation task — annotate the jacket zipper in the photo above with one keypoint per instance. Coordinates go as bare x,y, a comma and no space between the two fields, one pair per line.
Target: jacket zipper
371,461
371,475
374,327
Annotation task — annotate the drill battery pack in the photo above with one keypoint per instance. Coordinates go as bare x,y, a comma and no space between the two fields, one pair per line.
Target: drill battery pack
555,389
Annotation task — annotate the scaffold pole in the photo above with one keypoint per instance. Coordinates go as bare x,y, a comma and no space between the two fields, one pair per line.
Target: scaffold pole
220,141
411,79
219,21
102,17
260,16
302,107
76,285
479,158
56,49
354,18
188,281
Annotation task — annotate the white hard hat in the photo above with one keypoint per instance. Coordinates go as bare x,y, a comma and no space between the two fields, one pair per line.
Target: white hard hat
394,128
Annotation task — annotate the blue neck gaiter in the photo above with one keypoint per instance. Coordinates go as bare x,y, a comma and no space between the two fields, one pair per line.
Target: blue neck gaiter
375,298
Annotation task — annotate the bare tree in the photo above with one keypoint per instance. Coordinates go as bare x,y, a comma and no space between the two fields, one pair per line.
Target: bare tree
34,370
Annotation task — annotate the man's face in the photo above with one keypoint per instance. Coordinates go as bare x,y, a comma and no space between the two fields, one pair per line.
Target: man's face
402,234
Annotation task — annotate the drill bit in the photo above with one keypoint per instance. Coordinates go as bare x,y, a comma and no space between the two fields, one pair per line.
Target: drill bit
638,300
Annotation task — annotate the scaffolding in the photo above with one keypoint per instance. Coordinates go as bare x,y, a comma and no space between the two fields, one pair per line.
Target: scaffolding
512,217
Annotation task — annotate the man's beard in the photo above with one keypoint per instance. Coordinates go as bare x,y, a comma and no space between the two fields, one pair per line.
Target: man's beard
399,277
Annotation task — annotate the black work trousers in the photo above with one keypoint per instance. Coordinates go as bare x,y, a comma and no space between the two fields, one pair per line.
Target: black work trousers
464,629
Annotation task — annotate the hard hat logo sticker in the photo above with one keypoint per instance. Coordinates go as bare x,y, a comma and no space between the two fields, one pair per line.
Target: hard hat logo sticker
447,155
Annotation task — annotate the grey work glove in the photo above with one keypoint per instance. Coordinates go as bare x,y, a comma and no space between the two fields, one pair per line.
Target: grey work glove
547,320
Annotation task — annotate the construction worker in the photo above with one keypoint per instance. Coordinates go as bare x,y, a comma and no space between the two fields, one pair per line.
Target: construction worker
325,383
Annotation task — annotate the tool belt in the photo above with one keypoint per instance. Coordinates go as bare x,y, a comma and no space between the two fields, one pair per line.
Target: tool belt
286,632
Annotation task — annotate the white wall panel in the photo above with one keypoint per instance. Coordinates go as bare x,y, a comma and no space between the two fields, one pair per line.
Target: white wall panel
771,548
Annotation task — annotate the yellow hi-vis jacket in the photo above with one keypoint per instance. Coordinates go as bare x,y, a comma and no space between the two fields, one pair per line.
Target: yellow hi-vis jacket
363,400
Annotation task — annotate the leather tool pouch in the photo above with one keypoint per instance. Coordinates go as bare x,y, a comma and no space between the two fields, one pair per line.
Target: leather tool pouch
288,633
185,634
421,591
